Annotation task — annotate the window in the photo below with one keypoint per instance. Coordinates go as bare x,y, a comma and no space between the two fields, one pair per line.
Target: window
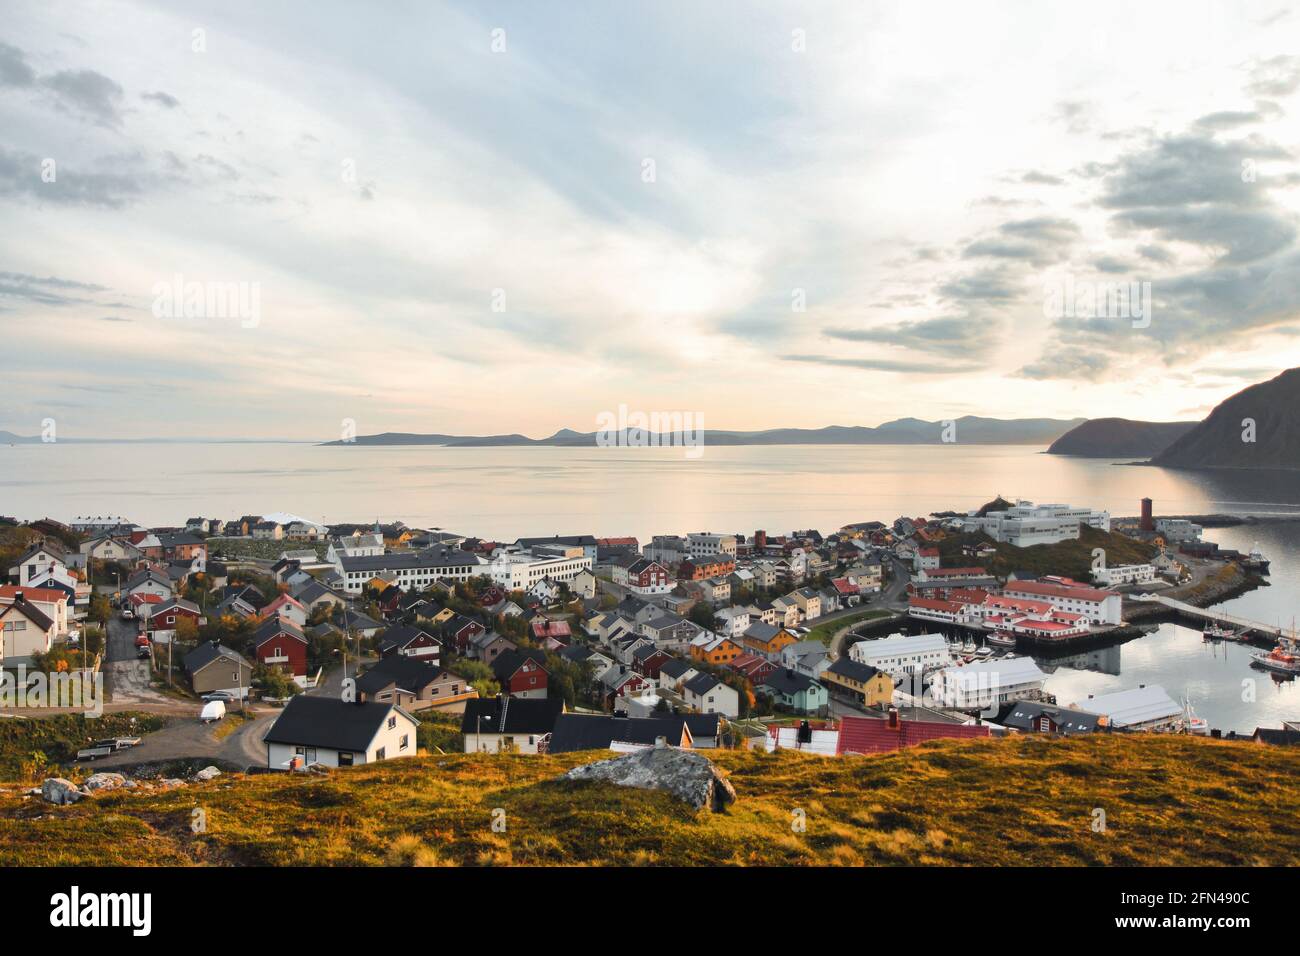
380,753
405,742
392,722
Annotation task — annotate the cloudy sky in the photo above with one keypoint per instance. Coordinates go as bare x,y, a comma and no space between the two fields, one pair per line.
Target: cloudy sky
492,217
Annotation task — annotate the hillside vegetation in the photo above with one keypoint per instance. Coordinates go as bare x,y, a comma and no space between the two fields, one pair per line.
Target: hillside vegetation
1119,438
1259,427
1022,800
1072,559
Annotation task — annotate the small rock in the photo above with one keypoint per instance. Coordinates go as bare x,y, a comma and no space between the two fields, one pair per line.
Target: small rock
207,773
685,774
131,785
59,791
103,781
171,782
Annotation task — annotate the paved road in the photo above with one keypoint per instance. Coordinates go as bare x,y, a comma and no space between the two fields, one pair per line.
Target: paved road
189,739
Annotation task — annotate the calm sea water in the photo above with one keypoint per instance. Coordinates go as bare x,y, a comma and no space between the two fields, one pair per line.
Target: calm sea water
512,492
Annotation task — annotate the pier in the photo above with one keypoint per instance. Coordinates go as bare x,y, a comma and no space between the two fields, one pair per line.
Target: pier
1248,627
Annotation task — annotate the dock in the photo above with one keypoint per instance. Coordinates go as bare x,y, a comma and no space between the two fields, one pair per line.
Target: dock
1245,626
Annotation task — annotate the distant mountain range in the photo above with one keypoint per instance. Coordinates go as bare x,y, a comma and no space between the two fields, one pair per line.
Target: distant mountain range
1258,428
970,430
1119,438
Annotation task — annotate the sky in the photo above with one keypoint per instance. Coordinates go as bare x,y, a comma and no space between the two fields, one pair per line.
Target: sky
482,218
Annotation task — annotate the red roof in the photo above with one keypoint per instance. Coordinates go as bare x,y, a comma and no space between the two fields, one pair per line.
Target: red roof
871,735
843,586
956,572
1078,592
929,552
10,591
934,604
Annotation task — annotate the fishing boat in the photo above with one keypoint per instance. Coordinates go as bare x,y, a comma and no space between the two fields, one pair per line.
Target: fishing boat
1002,639
968,647
1218,632
1191,723
1284,658
1255,561
984,653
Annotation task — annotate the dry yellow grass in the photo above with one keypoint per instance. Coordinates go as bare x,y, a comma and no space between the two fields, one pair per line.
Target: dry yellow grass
1024,800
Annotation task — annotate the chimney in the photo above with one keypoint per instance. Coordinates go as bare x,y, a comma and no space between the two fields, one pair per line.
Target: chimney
893,718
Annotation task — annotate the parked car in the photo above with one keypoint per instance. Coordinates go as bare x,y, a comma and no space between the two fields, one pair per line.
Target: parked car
218,695
212,711
127,614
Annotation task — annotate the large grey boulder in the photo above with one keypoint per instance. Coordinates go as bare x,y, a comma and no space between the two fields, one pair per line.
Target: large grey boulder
59,791
207,773
686,774
103,781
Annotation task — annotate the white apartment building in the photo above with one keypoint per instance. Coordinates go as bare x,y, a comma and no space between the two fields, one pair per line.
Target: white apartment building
1093,604
520,570
1146,707
987,683
1178,529
1026,524
903,654
410,569
700,544
1124,574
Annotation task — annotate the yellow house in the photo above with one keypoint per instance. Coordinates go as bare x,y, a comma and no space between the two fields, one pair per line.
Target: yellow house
862,682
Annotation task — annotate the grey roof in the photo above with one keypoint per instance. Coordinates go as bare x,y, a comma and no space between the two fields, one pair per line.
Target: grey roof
1024,715
433,557
523,715
702,683
762,631
206,653
675,667
330,722
400,635
853,670
275,626
408,673
597,731
786,681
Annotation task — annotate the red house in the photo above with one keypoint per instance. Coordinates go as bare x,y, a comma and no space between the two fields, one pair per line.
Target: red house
458,631
521,673
647,664
281,644
870,735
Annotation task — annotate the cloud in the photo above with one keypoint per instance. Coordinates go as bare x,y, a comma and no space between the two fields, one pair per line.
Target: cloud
14,70
45,290
20,175
165,100
1279,76
88,93
958,336
884,365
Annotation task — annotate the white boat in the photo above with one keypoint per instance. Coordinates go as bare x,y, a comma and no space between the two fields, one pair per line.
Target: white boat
1255,561
1191,723
1002,639
1283,659
968,648
984,652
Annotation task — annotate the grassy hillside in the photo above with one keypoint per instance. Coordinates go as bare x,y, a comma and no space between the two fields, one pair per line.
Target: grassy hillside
1023,800
1069,558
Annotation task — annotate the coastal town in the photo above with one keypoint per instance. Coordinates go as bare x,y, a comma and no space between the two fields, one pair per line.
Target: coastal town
273,643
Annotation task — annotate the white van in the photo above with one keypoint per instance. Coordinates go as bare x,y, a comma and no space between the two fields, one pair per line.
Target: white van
212,710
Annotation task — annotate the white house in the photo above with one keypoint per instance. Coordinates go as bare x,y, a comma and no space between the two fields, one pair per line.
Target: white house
1026,524
733,621
902,654
988,683
708,695
520,570
338,733
1124,574
1146,707
1094,605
